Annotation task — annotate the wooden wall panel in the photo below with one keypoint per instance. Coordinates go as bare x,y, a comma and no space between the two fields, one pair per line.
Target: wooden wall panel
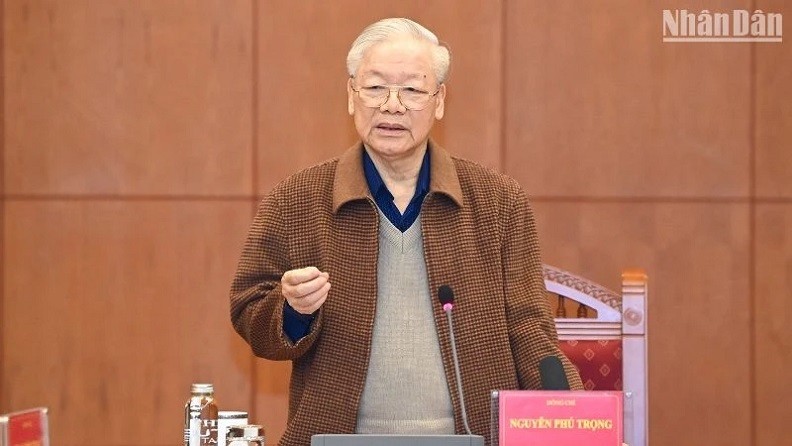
773,105
772,342
696,256
114,308
127,96
597,105
272,396
2,198
302,78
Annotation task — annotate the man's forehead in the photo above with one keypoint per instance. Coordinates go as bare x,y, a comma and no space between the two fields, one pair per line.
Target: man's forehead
387,74
404,56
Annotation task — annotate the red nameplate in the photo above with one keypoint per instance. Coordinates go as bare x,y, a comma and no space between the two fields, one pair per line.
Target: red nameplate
560,418
27,428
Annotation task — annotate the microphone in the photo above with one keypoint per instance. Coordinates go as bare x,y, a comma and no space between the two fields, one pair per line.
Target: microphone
446,296
552,374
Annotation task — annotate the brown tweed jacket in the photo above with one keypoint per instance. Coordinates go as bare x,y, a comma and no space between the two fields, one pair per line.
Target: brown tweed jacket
479,237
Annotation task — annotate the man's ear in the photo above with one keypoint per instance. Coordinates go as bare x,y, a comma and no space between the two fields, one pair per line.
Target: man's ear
440,104
350,98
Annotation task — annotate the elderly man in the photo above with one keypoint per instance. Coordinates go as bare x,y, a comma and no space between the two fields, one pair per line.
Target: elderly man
342,265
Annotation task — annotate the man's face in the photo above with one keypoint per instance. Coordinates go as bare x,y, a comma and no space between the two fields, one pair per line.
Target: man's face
392,131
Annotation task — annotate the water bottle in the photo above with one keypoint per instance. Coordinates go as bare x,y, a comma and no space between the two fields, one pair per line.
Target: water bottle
200,417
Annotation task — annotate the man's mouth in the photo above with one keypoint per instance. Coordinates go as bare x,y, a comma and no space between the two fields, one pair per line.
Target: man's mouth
390,126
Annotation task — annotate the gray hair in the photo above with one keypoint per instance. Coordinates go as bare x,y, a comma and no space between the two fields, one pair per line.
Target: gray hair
387,29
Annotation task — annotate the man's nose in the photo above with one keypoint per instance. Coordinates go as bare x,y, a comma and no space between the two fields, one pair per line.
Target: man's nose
394,106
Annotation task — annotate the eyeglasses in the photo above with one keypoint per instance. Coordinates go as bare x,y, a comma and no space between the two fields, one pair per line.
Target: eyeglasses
375,96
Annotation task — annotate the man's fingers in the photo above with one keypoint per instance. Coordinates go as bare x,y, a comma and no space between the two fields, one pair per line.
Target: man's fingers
297,276
304,288
311,302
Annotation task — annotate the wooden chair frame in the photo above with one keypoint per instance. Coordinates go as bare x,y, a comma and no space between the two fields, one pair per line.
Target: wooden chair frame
618,317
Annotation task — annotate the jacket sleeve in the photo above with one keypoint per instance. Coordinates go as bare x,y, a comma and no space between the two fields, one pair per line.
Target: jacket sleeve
532,330
256,299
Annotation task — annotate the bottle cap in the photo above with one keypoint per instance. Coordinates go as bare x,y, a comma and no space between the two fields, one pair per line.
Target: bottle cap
202,388
249,432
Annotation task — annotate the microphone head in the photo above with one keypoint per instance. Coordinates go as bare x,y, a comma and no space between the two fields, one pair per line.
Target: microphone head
446,295
552,374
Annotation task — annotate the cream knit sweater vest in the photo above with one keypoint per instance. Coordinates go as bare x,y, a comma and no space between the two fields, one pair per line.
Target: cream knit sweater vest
406,390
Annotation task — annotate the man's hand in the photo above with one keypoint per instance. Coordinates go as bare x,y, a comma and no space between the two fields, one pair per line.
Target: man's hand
305,289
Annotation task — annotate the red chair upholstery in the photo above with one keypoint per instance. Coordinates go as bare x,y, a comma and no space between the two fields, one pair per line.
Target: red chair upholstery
598,362
607,339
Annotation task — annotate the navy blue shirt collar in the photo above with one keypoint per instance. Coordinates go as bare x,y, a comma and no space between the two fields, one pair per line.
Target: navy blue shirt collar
384,198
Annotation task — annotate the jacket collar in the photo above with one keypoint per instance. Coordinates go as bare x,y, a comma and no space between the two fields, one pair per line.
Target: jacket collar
350,180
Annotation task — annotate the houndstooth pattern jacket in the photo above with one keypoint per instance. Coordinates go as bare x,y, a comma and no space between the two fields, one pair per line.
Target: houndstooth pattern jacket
479,237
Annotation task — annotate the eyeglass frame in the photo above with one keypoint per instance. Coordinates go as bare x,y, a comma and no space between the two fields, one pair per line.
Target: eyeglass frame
398,89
